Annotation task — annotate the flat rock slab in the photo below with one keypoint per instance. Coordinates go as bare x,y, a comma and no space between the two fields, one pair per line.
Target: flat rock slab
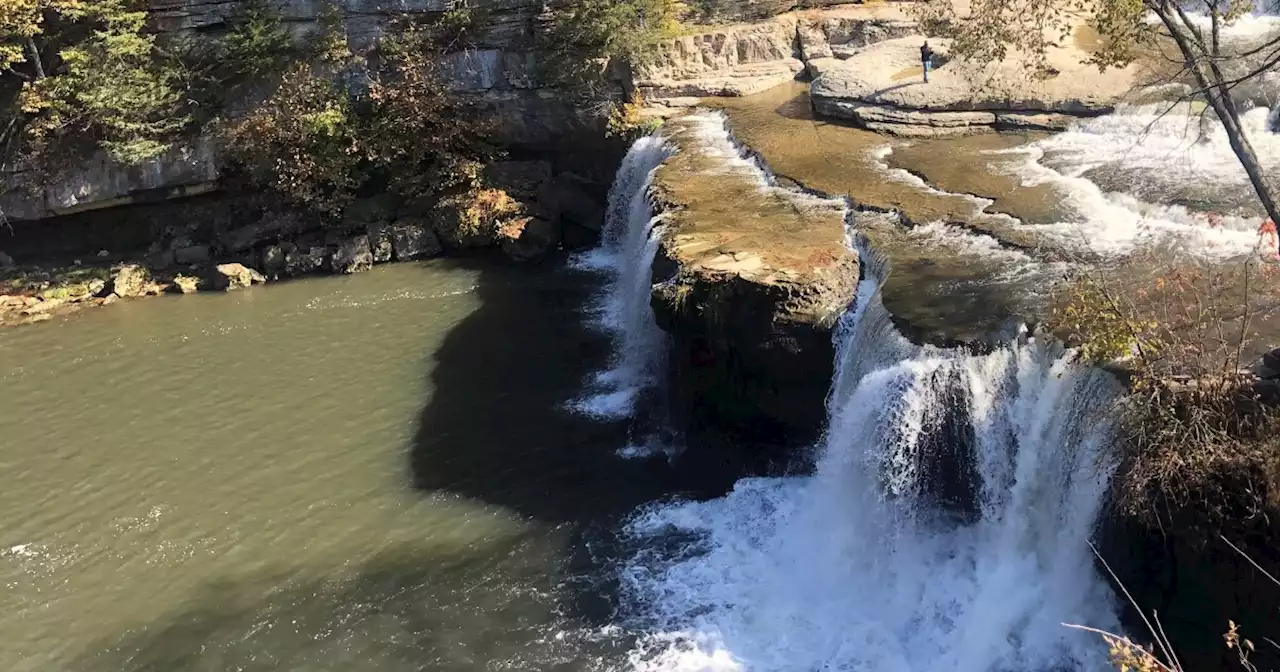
724,221
882,88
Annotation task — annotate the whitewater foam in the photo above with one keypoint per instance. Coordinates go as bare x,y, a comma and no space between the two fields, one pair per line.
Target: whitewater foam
1149,161
858,567
630,240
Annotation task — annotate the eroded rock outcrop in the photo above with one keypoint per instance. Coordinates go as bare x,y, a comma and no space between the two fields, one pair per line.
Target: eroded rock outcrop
739,60
881,88
751,279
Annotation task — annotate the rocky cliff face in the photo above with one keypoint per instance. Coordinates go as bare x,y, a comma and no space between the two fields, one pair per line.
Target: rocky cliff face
743,59
750,280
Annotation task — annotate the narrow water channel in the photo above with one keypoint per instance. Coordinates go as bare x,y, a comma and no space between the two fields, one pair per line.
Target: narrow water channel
364,473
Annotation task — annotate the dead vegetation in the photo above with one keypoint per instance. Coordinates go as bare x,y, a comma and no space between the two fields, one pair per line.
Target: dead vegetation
1200,427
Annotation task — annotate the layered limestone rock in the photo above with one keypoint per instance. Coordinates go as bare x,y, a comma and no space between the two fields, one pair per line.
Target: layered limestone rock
881,88
751,278
185,170
500,73
739,60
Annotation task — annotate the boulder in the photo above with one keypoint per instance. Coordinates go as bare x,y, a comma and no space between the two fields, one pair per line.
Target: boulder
273,261
888,75
361,213
813,42
527,238
128,281
353,256
160,260
185,284
566,198
301,261
195,254
6,261
271,226
380,243
235,276
43,306
519,178
414,239
73,292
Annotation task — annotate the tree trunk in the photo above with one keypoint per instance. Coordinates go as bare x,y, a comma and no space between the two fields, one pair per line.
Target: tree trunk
1210,80
34,53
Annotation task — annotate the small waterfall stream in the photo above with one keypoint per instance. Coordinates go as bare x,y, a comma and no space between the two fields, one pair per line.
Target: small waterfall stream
626,254
945,527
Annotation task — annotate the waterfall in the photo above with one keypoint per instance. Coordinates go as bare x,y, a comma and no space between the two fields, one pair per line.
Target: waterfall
629,243
945,527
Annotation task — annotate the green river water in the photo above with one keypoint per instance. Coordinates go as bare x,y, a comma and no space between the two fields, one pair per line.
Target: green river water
362,473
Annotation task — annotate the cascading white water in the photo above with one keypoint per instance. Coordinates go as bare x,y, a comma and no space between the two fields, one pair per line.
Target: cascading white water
629,243
1142,176
856,567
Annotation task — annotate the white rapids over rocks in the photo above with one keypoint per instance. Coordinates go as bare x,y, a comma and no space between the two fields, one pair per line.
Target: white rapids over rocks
854,567
1131,178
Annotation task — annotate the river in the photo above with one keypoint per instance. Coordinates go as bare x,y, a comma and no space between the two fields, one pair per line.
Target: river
425,467
362,473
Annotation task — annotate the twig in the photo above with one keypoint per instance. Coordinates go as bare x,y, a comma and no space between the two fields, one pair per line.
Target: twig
1251,561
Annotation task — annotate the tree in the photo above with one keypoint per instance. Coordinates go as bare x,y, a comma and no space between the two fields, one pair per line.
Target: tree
991,29
320,145
86,70
588,39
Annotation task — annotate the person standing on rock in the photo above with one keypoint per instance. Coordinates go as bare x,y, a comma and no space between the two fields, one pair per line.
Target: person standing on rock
926,59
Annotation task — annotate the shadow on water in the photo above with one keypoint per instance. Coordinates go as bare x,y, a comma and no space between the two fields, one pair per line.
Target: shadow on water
497,428
495,431
405,609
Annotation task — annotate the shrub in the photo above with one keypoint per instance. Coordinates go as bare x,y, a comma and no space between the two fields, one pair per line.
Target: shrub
320,145
586,36
1198,441
89,72
302,142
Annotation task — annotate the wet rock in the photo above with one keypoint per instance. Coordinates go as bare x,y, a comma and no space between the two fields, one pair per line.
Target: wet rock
273,261
195,254
186,284
353,256
235,276
414,239
108,300
750,303
528,238
6,261
129,281
304,260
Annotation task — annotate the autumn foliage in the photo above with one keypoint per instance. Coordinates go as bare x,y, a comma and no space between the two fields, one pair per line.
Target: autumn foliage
320,144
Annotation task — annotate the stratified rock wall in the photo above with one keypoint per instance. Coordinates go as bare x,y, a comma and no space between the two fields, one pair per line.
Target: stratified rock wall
751,278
